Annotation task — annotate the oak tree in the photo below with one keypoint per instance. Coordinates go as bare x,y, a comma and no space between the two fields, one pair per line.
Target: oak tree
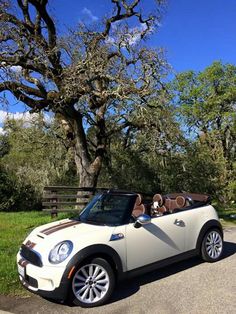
95,79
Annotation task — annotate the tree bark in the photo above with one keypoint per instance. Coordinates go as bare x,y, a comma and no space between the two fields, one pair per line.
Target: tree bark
88,165
87,177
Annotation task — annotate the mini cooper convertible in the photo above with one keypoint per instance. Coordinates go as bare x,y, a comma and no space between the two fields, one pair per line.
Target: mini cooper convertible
117,235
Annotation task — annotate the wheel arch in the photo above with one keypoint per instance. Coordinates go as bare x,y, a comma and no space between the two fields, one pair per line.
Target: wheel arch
211,224
101,251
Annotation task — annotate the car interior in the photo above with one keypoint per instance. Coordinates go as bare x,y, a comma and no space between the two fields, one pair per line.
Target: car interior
168,204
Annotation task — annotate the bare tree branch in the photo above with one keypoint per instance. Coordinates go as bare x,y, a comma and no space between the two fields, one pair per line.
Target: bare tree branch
20,91
96,78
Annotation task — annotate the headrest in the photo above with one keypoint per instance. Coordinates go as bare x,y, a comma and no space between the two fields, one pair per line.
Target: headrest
158,198
180,200
138,200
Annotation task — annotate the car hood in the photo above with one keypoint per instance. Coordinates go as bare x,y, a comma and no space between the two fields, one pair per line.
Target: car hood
42,239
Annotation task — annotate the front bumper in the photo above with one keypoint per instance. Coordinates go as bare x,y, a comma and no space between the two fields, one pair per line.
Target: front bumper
46,281
60,293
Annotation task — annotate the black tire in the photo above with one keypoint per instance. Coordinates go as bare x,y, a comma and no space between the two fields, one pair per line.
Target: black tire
92,284
212,252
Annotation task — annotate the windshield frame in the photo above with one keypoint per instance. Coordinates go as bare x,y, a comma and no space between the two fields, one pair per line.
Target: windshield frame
102,196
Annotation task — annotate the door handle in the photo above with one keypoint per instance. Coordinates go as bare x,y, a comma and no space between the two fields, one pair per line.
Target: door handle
179,222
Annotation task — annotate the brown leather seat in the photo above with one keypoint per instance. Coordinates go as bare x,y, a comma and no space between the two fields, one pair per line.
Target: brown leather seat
181,201
158,205
174,204
170,204
139,208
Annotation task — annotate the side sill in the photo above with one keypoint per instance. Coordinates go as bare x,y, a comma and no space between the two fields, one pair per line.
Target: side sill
160,264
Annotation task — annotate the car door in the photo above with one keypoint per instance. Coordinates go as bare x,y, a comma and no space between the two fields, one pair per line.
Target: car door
163,237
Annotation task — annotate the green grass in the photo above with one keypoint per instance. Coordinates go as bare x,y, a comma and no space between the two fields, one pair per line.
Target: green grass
14,227
227,214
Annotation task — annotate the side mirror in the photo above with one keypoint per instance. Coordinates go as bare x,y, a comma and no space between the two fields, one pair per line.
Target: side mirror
142,220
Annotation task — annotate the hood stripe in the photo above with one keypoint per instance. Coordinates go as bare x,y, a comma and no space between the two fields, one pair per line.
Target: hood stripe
59,227
59,224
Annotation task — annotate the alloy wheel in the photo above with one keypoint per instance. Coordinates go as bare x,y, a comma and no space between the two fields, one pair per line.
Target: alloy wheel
90,283
213,244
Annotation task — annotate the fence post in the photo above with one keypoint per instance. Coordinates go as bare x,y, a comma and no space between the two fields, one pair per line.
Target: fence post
54,199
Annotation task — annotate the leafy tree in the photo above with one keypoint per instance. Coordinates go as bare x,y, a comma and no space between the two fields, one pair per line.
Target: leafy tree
36,156
4,145
143,159
15,195
97,76
205,102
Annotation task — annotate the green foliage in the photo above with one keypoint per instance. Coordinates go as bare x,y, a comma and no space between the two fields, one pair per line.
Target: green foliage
16,196
32,156
129,170
187,144
207,99
205,103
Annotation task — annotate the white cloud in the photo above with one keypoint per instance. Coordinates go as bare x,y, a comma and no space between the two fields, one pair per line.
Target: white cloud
135,33
16,68
89,14
16,116
25,116
3,115
132,37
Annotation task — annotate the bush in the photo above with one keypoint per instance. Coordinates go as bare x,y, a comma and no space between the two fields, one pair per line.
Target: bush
15,196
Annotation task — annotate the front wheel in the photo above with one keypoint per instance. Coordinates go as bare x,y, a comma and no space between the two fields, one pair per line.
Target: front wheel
93,283
212,246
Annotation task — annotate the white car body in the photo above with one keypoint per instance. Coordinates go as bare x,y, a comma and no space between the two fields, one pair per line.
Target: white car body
165,239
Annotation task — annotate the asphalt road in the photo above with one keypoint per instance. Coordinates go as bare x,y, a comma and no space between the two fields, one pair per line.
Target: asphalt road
186,287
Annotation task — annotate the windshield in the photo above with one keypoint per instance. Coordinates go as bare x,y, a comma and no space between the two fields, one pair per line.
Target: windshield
107,209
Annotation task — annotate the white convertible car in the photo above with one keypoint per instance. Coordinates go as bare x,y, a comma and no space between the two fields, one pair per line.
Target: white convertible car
116,236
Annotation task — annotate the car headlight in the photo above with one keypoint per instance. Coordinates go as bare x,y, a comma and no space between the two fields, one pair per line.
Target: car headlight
60,252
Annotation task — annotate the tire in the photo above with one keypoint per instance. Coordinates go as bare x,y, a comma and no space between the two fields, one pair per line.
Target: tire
92,283
212,246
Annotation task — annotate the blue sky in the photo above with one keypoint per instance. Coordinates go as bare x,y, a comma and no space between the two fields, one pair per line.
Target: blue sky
194,33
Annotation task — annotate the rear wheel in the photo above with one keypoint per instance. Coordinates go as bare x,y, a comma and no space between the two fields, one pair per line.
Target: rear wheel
212,246
93,283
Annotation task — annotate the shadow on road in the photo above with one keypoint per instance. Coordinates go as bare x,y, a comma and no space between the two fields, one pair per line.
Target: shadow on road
229,249
131,286
127,288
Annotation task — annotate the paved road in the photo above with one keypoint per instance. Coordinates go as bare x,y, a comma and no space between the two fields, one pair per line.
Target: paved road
187,287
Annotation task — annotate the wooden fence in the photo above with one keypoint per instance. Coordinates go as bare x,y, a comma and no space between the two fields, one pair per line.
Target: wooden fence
67,198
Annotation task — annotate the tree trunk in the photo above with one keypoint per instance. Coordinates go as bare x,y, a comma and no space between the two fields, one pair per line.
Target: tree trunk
88,176
88,164
88,167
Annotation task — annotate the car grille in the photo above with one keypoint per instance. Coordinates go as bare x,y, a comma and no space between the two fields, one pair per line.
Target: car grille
30,256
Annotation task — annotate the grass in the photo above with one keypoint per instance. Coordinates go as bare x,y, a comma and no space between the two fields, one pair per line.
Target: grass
227,215
14,227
